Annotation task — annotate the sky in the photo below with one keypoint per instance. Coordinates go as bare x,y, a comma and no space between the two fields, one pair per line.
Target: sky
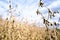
27,9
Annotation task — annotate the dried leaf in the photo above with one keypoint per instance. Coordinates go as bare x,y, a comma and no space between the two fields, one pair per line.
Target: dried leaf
49,11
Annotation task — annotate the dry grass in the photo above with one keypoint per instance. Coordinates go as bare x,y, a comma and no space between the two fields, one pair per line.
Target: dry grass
13,30
18,31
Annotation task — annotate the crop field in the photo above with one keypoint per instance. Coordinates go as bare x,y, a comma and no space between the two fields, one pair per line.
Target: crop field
16,20
18,31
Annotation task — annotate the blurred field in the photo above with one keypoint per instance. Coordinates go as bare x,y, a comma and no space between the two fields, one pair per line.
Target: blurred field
12,30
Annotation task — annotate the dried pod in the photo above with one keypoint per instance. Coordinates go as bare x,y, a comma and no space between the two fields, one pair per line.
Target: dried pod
47,22
41,3
52,37
55,23
37,12
49,11
51,24
13,21
43,20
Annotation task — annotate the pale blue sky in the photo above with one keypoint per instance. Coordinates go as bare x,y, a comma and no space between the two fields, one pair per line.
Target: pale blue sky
28,8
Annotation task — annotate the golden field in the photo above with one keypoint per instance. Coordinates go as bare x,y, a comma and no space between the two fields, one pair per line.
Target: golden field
13,30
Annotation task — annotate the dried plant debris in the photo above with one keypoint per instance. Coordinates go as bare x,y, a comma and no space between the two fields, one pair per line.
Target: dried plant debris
41,3
55,23
24,32
38,12
13,30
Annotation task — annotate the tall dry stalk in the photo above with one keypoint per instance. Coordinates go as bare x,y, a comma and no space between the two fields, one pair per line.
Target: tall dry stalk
47,23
